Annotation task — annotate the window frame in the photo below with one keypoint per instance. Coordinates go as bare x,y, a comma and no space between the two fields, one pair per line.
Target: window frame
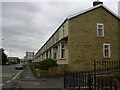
62,49
55,52
98,30
109,52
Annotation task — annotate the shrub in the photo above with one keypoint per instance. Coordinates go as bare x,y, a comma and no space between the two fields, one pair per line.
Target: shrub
45,64
34,64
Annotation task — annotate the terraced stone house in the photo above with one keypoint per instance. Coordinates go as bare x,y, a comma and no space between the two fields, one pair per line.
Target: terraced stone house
83,37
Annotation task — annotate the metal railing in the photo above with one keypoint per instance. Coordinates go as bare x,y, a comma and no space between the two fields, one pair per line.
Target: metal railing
106,67
78,80
93,80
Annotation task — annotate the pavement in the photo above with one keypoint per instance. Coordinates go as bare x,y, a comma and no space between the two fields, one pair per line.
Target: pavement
27,75
28,80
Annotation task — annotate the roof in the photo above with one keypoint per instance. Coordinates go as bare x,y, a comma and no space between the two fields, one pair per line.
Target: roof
82,12
92,8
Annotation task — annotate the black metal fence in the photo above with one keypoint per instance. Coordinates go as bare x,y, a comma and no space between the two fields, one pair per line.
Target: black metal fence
99,79
106,67
78,80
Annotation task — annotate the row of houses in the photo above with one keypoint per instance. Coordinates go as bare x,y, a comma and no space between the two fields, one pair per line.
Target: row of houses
91,34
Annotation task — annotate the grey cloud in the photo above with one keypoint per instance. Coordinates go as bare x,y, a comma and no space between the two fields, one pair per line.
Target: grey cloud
27,26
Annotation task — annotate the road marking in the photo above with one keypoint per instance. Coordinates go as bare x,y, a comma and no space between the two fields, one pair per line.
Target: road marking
1,85
27,77
17,75
8,81
7,75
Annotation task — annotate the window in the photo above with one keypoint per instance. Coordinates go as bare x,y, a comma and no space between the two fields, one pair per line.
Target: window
106,50
62,50
100,30
55,52
47,54
42,56
50,53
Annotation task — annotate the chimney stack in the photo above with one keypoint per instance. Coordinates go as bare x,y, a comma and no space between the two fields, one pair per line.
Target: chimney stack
95,3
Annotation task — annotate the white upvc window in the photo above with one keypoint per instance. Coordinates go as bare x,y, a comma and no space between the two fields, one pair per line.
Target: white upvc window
106,50
47,54
62,50
50,54
55,52
100,30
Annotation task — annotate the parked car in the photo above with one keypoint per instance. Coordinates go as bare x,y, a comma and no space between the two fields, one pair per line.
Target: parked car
19,66
24,64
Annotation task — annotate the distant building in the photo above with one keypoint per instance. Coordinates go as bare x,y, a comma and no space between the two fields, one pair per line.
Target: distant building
30,56
14,59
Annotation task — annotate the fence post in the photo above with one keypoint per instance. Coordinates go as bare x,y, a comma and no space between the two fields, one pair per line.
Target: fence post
111,83
70,79
119,65
73,79
98,85
65,79
94,74
76,79
79,80
89,81
102,84
115,86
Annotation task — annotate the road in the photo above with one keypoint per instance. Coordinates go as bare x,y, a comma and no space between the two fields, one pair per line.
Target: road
25,79
9,75
0,76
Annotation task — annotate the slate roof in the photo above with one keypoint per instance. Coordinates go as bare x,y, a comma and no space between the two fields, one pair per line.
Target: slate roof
92,8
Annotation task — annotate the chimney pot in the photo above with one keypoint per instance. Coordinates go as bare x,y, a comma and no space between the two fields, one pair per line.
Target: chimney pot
95,3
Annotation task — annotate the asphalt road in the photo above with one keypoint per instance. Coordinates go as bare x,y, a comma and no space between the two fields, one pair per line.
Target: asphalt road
26,79
9,75
0,76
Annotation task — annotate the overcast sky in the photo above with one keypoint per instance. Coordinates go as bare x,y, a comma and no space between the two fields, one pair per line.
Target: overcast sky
26,26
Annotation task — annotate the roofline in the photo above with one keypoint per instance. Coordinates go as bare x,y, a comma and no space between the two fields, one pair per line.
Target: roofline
53,34
82,12
92,8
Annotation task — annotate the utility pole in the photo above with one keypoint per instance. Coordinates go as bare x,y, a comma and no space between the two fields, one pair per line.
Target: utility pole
10,52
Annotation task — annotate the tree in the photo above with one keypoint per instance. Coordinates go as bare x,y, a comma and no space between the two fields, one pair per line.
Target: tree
3,56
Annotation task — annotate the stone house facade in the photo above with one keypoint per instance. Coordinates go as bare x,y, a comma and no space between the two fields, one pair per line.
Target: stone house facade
93,34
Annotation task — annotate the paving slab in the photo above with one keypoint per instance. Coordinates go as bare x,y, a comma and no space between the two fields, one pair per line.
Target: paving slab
28,80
